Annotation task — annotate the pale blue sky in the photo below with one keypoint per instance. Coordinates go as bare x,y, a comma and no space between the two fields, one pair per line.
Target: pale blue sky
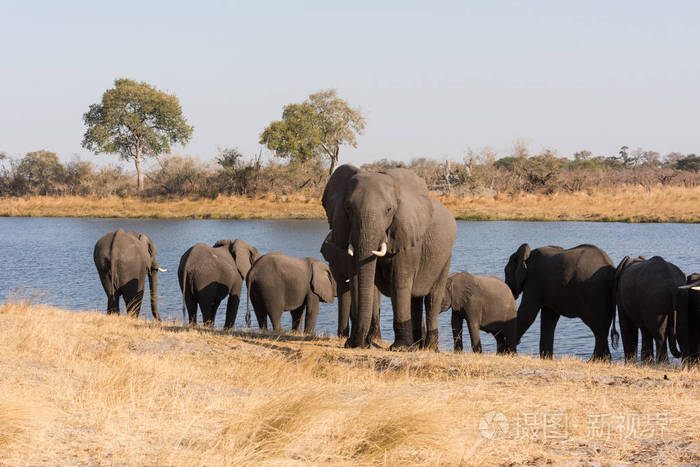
433,78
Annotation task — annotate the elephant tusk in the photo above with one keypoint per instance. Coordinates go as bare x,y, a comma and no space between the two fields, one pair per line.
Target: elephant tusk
382,251
351,250
162,270
695,288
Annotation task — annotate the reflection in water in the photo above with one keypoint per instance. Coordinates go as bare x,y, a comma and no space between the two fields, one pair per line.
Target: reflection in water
52,258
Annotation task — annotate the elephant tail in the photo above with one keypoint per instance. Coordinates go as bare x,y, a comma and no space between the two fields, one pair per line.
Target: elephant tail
614,335
247,303
671,328
185,290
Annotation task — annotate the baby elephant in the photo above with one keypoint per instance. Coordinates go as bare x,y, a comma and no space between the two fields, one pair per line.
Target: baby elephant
278,282
487,304
207,274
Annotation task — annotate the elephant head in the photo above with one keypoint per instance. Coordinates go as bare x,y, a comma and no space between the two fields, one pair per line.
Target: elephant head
516,269
322,282
244,254
686,320
386,213
447,297
152,269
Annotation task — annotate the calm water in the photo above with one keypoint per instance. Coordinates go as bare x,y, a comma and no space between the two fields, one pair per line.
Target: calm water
52,259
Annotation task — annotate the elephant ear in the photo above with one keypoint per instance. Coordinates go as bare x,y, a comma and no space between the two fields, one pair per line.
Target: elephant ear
244,255
150,247
414,210
322,281
333,201
695,277
220,243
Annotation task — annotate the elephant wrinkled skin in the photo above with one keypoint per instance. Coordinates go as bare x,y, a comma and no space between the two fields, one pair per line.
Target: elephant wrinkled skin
278,282
576,283
487,304
207,274
123,260
644,295
400,240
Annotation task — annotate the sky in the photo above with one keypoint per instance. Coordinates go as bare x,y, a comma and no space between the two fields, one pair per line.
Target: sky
432,78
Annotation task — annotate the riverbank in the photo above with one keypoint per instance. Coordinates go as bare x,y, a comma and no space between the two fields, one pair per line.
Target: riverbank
626,204
86,388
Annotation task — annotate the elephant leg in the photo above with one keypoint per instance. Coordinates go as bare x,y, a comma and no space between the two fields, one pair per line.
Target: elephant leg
113,304
208,307
630,336
647,347
401,305
457,331
661,352
417,326
133,297
375,327
259,307
296,318
474,334
510,334
231,310
433,302
548,323
344,303
312,304
191,305
500,343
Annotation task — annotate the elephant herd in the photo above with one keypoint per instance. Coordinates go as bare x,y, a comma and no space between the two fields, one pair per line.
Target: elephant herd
388,236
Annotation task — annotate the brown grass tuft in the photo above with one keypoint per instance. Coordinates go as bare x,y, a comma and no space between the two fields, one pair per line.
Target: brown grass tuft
86,388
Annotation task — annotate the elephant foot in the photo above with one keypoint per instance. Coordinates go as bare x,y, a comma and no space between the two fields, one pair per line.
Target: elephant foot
600,358
431,340
349,344
402,347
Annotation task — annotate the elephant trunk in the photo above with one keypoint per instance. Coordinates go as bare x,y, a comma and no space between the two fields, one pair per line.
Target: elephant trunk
153,285
365,300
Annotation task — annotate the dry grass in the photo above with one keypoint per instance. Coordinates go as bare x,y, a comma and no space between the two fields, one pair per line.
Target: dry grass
625,204
88,388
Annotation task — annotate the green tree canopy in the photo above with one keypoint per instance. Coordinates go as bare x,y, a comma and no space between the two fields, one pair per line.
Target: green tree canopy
135,120
41,171
314,128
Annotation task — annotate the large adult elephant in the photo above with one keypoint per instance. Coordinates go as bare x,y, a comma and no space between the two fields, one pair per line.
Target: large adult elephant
687,322
278,282
400,240
576,283
340,265
645,291
207,274
123,259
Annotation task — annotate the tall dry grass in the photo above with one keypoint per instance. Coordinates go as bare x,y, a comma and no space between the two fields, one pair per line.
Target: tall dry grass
86,388
625,204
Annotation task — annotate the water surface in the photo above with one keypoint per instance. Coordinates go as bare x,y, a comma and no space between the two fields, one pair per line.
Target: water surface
52,258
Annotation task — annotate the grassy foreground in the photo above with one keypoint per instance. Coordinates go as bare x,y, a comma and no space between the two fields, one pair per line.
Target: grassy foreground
86,388
625,204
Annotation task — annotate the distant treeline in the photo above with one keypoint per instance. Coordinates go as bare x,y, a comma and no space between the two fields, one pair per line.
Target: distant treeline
479,174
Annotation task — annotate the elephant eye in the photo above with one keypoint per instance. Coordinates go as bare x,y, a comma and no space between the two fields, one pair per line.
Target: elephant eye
388,209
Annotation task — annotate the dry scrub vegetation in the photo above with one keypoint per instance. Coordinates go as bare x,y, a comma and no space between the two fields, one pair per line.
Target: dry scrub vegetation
627,204
88,388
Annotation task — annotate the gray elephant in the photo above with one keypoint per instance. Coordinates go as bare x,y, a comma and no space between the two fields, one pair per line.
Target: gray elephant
644,295
576,283
401,241
123,260
278,282
339,264
487,304
687,322
207,274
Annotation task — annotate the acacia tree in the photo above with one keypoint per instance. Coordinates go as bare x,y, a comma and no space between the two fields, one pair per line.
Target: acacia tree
314,128
135,120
